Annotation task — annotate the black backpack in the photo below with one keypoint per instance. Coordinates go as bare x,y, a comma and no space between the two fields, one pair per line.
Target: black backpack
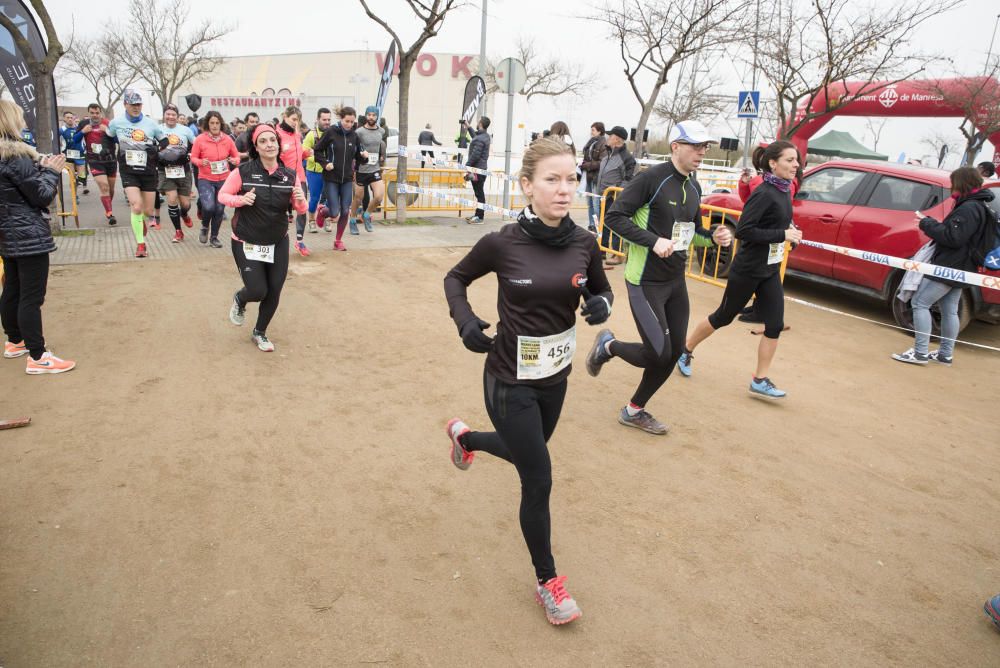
985,251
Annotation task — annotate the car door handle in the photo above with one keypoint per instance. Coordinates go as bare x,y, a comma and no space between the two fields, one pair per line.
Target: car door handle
827,218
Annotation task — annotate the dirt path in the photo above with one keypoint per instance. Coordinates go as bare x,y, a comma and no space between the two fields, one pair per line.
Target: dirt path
183,499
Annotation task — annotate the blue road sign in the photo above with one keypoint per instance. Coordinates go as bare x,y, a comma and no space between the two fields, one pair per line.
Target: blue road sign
748,105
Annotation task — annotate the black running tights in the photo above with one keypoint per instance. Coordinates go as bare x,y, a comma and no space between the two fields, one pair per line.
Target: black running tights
661,312
262,281
525,417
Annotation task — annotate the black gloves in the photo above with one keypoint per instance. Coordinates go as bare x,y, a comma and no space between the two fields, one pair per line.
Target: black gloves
596,310
473,337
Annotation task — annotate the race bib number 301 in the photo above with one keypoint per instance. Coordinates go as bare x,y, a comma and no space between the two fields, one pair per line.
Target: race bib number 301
544,356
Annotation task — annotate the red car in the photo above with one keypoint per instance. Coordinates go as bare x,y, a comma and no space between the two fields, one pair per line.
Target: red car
869,205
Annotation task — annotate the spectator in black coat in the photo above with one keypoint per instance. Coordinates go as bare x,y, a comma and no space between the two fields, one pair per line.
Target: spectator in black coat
28,185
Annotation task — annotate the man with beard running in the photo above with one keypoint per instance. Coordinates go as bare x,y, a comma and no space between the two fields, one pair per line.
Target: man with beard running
100,152
659,215
370,170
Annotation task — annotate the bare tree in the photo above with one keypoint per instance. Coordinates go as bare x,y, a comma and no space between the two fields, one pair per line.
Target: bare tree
808,47
653,36
166,49
979,100
875,126
546,75
695,97
940,144
40,71
432,14
98,62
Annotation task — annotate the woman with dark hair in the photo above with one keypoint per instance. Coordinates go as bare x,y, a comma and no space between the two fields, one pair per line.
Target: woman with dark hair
593,152
28,184
987,169
954,239
214,151
763,230
559,130
261,190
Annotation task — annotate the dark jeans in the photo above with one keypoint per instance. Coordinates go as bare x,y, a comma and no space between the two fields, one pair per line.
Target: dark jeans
262,281
21,302
525,417
479,187
211,208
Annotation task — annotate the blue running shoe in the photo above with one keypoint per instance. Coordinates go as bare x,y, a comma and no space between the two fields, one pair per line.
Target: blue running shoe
765,388
598,354
684,364
353,224
992,610
366,218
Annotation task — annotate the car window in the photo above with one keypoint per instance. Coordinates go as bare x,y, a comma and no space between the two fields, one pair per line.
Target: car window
899,194
833,185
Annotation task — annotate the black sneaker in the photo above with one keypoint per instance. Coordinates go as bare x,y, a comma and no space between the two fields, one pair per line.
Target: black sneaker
215,243
642,420
936,356
911,356
203,235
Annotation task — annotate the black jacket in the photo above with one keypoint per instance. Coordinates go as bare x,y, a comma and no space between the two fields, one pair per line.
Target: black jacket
265,221
427,138
26,189
341,148
961,229
479,150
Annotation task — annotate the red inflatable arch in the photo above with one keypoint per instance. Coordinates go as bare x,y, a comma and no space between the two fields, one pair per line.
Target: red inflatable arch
907,99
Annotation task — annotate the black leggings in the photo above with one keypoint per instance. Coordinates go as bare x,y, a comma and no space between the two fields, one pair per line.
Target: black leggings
479,187
525,417
262,281
661,313
21,301
770,302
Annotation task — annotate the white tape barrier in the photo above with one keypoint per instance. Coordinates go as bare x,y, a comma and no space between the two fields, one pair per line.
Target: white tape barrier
827,309
464,201
968,277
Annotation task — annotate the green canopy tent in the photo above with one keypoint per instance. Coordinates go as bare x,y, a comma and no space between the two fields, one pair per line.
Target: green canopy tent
836,144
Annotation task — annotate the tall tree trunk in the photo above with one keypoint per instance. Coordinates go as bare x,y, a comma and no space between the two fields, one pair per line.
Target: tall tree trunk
405,65
640,130
44,132
972,148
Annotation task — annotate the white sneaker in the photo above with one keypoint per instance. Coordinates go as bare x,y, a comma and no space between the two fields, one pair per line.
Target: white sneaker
236,312
560,608
262,343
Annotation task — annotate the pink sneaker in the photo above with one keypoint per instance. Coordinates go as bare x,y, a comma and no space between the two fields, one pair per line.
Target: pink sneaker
339,246
48,363
460,457
321,215
12,350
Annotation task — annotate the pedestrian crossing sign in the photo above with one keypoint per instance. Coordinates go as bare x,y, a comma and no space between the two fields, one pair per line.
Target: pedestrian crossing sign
748,105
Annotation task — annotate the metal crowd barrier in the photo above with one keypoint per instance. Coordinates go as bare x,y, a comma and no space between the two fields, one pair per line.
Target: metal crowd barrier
452,181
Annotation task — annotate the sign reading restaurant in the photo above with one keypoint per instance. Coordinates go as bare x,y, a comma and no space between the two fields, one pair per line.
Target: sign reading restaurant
247,102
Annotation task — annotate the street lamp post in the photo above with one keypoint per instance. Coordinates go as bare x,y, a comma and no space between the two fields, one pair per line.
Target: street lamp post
482,55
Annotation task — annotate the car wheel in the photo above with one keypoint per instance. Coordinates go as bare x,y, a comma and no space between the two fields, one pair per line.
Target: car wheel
725,255
902,313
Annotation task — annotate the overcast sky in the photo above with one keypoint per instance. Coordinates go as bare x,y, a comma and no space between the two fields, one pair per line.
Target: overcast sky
261,28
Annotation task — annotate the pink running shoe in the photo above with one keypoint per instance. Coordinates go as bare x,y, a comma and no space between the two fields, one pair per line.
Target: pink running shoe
460,457
322,213
560,608
339,246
